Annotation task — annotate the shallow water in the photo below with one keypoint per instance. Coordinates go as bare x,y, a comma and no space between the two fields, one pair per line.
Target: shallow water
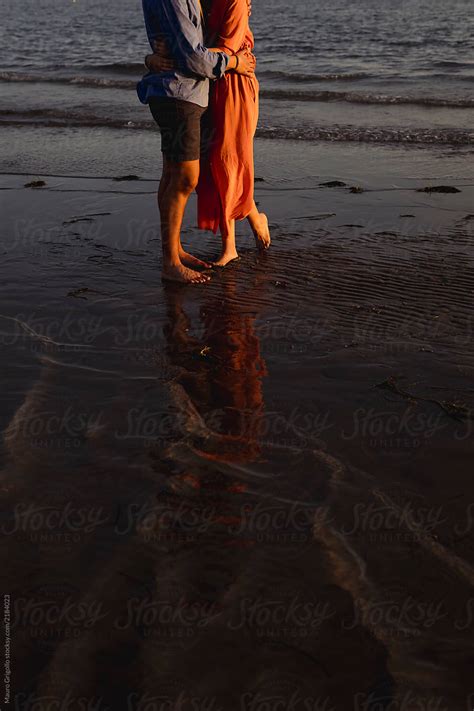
325,72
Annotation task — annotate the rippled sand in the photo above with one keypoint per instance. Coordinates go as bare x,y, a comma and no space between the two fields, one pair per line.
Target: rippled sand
255,494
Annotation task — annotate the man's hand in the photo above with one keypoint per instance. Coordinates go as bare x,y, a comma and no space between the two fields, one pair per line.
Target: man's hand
246,63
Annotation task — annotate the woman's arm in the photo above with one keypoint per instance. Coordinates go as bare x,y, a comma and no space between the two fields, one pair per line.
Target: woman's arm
234,27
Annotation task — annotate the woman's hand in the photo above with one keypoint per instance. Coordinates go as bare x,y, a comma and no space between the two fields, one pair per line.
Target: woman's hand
158,64
161,60
160,46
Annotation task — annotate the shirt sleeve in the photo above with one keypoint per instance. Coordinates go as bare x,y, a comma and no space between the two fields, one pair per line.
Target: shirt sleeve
184,39
235,25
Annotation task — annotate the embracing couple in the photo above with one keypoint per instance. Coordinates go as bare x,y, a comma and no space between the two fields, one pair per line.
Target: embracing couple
207,127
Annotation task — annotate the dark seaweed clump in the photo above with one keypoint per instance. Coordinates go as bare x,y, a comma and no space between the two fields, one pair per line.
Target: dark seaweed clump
439,189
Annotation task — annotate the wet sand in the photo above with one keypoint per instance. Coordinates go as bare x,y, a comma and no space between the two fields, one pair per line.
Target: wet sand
255,494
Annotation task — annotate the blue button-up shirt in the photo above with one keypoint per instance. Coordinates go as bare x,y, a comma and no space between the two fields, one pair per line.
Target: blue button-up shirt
180,23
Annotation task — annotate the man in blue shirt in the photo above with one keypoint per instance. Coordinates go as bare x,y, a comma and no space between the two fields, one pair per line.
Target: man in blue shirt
177,99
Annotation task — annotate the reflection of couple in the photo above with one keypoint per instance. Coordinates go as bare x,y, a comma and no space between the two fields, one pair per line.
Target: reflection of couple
177,91
220,371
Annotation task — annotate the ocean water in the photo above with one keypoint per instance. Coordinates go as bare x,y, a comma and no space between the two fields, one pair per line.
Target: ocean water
363,71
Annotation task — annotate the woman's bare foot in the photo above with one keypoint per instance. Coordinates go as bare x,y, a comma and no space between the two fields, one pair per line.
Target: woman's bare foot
183,275
189,260
227,256
261,232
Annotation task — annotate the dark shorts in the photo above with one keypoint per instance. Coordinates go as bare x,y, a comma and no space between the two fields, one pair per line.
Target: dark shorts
180,126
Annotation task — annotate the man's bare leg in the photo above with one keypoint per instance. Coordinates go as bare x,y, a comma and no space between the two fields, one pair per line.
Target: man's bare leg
259,223
229,249
179,180
189,260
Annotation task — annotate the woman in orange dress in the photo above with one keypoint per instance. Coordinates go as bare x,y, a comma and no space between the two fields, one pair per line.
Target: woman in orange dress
226,184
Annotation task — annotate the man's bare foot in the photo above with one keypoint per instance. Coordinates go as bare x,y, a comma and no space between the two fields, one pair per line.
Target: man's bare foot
227,256
189,260
183,275
262,233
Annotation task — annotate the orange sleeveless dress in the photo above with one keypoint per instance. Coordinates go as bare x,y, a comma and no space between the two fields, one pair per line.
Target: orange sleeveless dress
226,184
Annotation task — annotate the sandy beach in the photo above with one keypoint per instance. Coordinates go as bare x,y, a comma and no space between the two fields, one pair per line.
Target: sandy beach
255,494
